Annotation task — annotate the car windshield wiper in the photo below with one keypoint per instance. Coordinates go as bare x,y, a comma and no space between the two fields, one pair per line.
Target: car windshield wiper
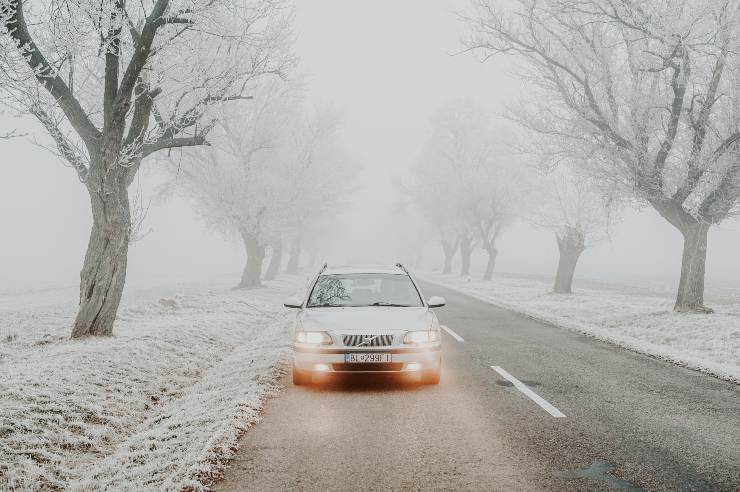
379,303
324,304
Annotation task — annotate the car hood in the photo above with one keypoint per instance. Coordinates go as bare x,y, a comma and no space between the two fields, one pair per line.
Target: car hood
373,319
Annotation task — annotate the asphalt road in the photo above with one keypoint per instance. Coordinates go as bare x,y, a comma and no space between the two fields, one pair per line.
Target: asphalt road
631,422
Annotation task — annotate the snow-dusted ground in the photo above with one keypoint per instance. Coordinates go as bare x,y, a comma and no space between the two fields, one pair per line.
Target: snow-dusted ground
640,322
159,406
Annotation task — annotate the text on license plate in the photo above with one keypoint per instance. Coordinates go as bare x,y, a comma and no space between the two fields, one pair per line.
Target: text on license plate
365,357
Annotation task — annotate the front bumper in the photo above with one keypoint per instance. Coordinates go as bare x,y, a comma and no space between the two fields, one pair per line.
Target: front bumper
331,359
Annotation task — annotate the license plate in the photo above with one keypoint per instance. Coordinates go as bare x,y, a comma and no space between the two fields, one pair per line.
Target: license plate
367,357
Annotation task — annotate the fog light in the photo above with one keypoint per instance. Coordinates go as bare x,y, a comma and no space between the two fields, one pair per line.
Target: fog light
322,367
413,366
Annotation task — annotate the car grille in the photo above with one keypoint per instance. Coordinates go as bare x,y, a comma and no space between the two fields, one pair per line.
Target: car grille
379,366
359,340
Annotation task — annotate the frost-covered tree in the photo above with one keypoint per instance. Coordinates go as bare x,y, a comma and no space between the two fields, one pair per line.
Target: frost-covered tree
113,82
578,212
435,191
326,171
276,259
434,198
276,173
294,255
646,89
465,184
495,199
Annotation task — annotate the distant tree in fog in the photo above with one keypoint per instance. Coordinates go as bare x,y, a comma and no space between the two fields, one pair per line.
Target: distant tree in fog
275,173
412,232
113,82
465,184
578,212
433,193
435,190
496,194
643,93
436,203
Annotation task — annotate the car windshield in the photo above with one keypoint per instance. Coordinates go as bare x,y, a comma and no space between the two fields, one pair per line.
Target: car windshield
364,289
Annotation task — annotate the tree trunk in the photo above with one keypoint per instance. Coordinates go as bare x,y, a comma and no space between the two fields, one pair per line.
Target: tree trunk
690,296
103,274
251,276
492,254
449,249
447,269
276,259
466,249
570,245
295,256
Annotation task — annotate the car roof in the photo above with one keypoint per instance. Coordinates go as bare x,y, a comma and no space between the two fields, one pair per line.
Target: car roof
345,269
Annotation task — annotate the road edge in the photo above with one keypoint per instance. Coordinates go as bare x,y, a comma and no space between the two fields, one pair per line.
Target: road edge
644,348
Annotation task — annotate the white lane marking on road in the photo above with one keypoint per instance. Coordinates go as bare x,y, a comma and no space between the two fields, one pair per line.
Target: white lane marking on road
453,334
531,394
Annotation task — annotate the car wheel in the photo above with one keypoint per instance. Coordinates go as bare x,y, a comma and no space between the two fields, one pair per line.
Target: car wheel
431,377
301,378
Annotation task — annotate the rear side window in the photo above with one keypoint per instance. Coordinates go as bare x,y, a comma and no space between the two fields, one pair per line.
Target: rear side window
364,289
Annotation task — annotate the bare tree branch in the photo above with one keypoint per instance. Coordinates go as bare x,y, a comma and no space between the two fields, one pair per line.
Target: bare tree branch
48,78
65,147
11,134
173,143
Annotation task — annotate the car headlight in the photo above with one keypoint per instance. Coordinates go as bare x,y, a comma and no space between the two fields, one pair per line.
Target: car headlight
313,337
421,336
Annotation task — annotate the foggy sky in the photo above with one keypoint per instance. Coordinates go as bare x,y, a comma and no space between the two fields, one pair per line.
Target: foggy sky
387,66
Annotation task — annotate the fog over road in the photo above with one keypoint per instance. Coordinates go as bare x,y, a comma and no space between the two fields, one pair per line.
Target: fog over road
631,422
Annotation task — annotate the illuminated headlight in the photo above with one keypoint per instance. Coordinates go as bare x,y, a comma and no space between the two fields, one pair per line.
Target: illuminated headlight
313,337
421,337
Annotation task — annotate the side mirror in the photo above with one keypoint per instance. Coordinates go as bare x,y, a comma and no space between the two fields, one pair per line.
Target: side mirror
293,302
436,301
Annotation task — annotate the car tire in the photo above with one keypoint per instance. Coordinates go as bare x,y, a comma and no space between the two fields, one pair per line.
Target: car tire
431,377
301,378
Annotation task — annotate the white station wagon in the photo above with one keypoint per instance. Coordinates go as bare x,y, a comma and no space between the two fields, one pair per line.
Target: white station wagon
365,320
